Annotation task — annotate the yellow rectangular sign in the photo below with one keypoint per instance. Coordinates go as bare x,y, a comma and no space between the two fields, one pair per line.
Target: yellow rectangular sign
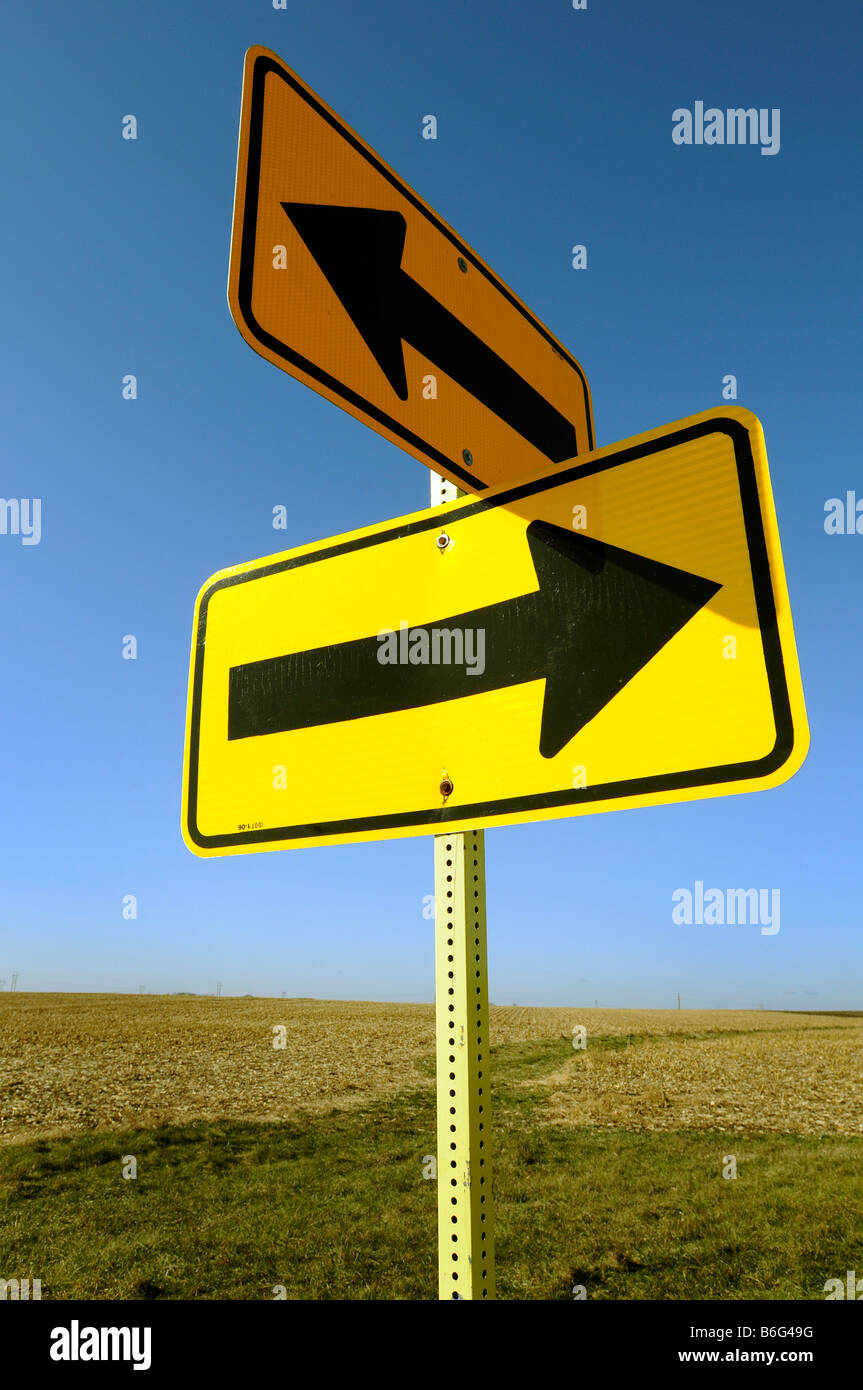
615,633
345,278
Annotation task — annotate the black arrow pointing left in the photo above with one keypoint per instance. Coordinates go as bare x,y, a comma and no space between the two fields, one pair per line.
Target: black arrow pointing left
359,251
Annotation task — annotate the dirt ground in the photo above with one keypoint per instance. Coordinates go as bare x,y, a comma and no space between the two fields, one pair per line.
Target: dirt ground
71,1063
797,1081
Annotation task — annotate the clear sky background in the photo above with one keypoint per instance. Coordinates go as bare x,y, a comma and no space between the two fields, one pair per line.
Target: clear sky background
554,128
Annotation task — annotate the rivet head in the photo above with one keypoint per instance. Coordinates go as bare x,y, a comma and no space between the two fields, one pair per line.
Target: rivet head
443,541
468,457
446,786
462,265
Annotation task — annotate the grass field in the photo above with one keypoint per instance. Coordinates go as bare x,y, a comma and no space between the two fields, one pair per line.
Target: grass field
303,1167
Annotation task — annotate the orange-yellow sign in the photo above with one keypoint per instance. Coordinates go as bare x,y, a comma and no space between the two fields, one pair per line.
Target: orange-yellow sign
345,278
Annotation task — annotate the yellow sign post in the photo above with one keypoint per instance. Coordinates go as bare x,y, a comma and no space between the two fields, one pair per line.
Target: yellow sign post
612,634
344,277
464,1147
465,1201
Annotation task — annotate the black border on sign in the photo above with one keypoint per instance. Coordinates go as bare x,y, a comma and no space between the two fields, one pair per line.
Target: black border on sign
435,817
263,66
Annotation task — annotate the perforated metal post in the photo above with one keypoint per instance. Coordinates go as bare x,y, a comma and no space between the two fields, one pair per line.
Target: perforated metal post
465,1206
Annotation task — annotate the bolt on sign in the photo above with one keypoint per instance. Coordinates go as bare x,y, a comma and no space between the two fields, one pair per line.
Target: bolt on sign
612,633
344,277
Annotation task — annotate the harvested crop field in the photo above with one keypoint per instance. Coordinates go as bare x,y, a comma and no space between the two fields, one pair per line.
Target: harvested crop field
800,1081
73,1064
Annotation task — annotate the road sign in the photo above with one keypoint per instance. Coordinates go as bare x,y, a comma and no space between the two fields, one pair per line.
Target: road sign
345,278
615,633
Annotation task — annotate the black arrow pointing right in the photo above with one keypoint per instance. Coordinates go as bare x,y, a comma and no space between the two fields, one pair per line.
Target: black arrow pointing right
359,251
598,616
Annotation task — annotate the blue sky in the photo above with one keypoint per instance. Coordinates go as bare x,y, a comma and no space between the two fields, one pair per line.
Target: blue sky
554,128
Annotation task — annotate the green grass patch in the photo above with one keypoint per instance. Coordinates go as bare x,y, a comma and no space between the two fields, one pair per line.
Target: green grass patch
335,1206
